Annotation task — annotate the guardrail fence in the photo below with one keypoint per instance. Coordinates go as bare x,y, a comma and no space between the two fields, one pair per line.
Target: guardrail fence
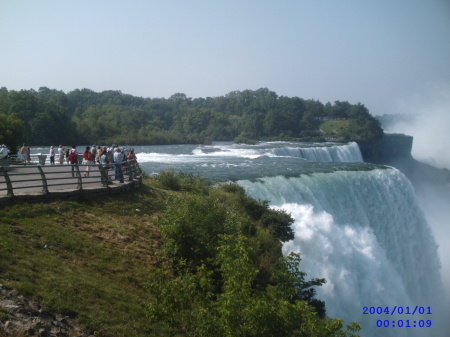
44,179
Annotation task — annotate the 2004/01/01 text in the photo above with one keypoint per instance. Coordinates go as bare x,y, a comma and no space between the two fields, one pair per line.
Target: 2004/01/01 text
397,310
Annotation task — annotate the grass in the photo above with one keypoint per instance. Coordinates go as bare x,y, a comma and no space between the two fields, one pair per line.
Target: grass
336,128
85,259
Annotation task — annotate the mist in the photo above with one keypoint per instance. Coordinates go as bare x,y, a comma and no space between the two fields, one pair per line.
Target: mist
430,125
431,145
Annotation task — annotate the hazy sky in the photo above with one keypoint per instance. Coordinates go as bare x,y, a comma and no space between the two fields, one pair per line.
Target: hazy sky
377,52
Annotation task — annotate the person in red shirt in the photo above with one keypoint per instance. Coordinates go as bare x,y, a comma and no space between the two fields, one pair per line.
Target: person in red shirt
88,160
73,158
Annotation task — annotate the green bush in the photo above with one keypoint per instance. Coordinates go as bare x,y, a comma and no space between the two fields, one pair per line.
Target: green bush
227,275
181,181
243,139
232,188
168,180
191,228
190,305
278,222
193,183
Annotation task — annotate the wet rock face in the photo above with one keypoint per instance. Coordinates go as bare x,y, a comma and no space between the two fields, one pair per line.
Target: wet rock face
20,316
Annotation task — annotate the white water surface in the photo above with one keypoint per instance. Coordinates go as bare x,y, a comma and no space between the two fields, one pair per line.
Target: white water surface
364,232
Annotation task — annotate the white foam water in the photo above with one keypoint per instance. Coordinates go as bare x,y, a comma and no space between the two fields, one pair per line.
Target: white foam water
336,153
364,232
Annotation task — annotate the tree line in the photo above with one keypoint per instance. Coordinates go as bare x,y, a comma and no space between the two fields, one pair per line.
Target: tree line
82,116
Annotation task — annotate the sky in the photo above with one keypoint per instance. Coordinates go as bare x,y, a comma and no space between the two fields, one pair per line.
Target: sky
375,52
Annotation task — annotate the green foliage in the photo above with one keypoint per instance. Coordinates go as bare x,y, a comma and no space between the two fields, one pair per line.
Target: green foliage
84,259
336,128
84,116
277,222
89,260
232,188
227,276
242,139
191,228
10,131
290,277
190,304
170,180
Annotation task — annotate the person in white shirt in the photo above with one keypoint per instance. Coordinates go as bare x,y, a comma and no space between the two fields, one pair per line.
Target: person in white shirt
118,159
52,155
4,152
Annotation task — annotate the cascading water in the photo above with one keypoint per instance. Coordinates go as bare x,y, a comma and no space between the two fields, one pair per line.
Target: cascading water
364,232
357,225
336,153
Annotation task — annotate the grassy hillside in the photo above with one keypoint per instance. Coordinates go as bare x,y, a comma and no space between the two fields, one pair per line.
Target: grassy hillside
86,259
336,128
158,262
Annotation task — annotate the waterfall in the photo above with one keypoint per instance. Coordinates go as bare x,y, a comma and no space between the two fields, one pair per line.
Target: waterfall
336,153
364,232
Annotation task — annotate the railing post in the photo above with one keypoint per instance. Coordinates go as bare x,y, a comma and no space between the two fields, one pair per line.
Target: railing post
137,168
44,180
120,171
130,170
10,192
80,184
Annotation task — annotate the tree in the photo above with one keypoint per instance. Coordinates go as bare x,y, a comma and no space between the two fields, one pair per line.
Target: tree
11,131
205,304
340,109
226,275
50,116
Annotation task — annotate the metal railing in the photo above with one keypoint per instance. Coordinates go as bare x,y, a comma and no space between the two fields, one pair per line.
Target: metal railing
37,158
44,179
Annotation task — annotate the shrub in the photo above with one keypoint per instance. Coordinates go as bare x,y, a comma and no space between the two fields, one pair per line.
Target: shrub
188,305
232,188
279,223
193,183
191,228
181,181
168,180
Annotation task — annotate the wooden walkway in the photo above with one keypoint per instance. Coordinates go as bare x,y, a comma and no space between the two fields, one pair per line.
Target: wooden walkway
56,180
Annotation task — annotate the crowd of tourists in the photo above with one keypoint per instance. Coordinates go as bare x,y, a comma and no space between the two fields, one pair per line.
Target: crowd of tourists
112,156
91,155
109,157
